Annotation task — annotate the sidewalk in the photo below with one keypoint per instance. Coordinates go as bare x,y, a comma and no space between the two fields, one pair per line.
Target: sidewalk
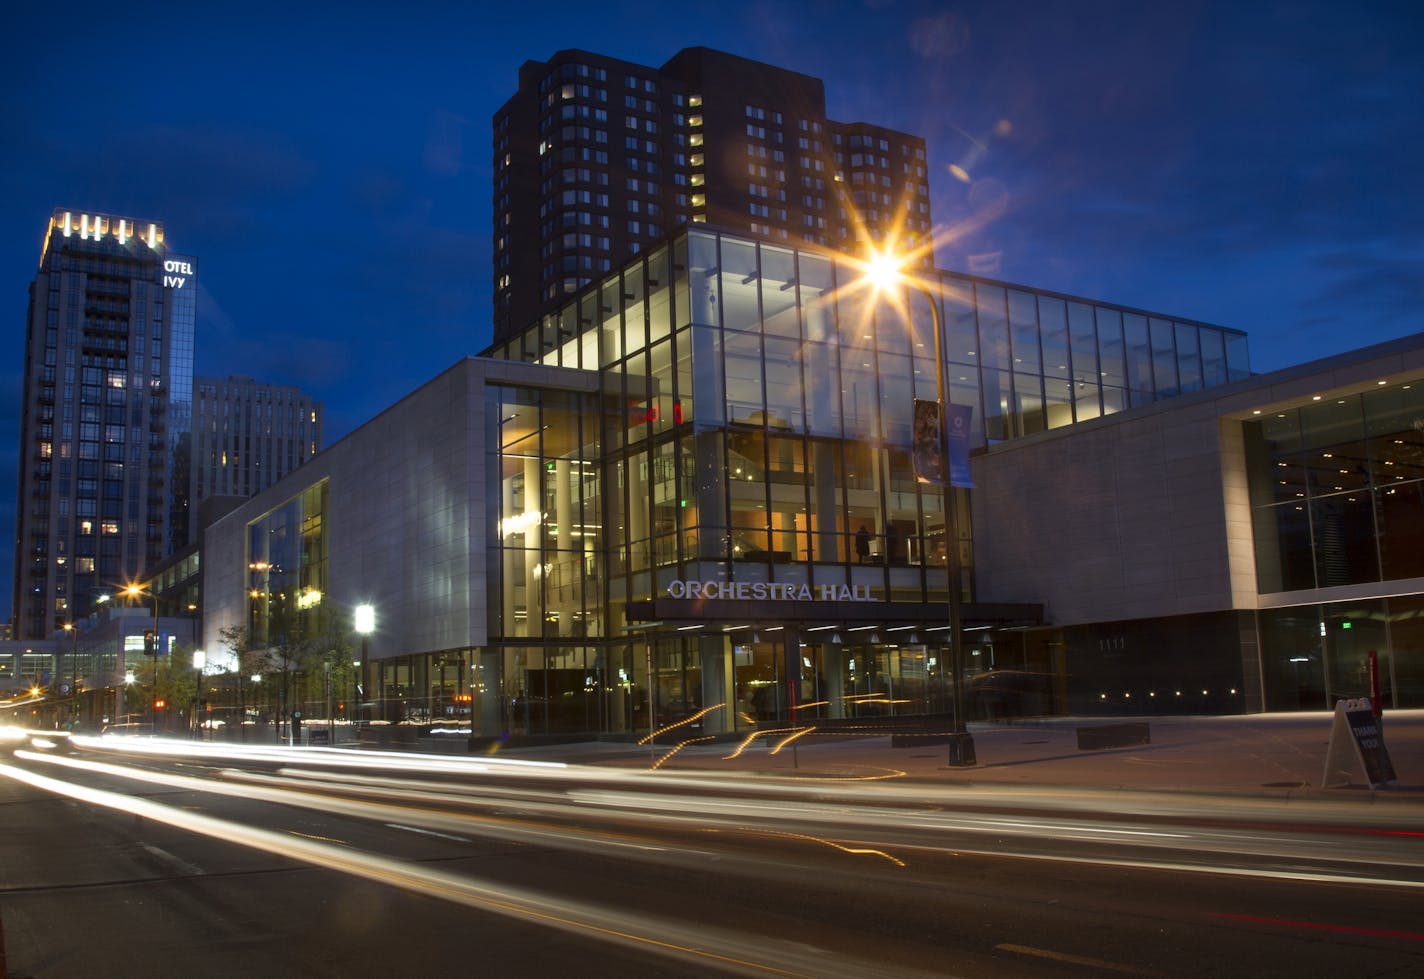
1272,755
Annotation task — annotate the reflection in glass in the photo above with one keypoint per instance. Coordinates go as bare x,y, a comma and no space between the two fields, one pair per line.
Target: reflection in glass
1189,365
993,327
1164,359
1023,326
1319,460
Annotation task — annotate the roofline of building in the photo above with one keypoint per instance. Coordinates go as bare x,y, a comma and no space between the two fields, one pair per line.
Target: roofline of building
1339,375
671,237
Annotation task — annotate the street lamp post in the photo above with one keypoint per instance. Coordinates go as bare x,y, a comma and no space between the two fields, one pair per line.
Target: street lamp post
353,702
121,700
134,591
365,625
884,270
256,707
73,631
200,659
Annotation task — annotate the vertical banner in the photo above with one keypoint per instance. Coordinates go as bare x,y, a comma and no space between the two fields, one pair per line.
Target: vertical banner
928,443
958,438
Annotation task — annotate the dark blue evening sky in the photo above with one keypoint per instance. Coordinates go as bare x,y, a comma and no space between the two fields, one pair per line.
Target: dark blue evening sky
1250,164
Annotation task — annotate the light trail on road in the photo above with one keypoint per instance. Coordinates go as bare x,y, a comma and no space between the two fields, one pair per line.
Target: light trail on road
694,944
565,812
723,874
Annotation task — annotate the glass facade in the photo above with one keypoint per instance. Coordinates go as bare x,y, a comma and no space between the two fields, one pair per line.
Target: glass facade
1314,655
755,426
287,572
717,525
547,558
1337,491
1026,360
178,386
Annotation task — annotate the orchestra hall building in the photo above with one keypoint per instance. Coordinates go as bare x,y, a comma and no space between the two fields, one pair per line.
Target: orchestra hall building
690,491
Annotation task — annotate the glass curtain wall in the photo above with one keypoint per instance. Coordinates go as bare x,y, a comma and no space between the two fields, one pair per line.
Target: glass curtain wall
755,420
1031,361
287,570
547,557
1314,655
755,425
1337,492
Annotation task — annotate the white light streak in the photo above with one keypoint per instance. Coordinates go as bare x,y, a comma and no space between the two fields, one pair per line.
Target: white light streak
693,943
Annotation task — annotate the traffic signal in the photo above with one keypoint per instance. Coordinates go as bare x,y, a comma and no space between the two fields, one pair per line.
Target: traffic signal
159,703
150,642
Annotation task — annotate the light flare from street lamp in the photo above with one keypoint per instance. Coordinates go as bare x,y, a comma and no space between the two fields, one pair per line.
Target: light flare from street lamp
883,269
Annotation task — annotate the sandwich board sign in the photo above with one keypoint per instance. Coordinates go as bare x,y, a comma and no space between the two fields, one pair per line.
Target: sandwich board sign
1356,735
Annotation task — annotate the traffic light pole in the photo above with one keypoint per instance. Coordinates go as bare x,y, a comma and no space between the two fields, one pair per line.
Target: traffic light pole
150,645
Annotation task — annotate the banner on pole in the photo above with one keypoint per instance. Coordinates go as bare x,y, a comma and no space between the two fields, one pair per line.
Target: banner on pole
928,442
958,439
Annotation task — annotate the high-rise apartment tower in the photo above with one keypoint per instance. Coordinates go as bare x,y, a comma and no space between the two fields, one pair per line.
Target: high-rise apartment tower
248,434
108,387
595,158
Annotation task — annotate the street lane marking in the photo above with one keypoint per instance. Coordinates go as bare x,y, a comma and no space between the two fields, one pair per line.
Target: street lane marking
1091,963
1318,926
323,839
858,851
1172,866
191,869
428,832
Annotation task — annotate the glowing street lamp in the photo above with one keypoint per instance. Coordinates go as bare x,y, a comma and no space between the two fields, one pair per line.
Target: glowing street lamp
200,660
73,631
365,624
884,270
150,641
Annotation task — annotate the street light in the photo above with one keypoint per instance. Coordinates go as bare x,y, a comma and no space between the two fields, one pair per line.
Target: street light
885,270
200,659
73,672
150,641
256,707
365,625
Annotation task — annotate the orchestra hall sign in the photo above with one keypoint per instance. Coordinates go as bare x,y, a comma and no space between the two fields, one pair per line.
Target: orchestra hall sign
769,591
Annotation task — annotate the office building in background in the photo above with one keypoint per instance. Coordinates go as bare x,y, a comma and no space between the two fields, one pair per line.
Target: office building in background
247,434
596,159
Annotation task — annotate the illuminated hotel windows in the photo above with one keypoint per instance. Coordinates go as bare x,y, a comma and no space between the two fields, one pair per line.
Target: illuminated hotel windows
129,307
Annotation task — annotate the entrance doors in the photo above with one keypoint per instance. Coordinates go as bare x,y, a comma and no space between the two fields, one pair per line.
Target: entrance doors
836,681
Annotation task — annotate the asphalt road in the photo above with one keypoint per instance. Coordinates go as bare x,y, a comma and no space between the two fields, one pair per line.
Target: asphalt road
122,860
